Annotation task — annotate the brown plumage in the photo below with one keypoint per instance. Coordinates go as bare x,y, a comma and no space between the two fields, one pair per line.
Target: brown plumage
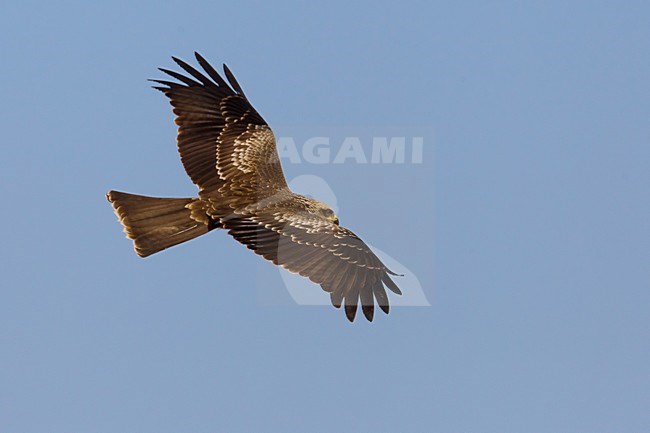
229,152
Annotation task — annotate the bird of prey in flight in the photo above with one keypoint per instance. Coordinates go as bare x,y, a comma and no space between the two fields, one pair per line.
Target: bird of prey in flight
229,152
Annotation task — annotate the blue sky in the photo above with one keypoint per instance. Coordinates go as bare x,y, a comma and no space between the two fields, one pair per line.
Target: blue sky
527,224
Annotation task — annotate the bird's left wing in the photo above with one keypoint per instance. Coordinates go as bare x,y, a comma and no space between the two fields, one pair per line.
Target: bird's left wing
223,141
329,255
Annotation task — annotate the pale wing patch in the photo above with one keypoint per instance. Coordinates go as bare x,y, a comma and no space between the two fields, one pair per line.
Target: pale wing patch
254,149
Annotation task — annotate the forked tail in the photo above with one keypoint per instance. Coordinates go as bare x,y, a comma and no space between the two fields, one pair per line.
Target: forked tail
155,223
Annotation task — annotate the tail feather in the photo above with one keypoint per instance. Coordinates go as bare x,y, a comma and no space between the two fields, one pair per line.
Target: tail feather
155,224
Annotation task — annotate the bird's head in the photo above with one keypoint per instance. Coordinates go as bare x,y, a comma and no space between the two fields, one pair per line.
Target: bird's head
321,209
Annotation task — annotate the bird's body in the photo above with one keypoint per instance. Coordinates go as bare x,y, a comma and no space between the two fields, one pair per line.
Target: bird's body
229,152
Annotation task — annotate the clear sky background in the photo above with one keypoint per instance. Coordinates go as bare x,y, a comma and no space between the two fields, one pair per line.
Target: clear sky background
528,222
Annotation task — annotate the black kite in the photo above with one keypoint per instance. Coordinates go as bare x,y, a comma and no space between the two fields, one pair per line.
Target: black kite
229,152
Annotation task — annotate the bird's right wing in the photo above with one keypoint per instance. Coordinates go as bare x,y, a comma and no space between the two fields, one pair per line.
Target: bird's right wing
329,255
223,142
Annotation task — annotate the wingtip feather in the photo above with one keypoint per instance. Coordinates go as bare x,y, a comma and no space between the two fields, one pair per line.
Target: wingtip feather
391,285
368,312
350,312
